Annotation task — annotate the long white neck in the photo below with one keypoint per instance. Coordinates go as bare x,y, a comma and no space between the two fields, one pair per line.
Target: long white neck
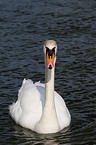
49,88
49,122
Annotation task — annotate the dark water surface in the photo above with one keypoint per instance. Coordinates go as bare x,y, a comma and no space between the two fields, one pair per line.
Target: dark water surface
24,26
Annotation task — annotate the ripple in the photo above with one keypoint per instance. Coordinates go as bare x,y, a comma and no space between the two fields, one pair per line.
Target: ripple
24,28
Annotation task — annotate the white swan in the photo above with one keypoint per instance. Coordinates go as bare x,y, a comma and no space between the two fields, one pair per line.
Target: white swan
39,107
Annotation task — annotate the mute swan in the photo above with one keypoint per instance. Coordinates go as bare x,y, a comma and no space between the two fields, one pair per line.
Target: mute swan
39,107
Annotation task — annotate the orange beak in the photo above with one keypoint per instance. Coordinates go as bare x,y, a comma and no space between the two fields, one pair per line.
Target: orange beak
50,61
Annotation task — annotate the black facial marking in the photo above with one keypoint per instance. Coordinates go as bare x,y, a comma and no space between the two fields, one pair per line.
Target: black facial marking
50,66
50,52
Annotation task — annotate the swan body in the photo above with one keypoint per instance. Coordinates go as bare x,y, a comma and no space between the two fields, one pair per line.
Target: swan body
39,107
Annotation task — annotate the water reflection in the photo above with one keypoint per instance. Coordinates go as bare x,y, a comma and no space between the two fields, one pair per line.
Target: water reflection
30,137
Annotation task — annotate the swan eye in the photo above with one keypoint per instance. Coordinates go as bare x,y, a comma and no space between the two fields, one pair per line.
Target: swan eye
53,50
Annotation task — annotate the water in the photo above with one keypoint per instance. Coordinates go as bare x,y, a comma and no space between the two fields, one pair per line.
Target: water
24,26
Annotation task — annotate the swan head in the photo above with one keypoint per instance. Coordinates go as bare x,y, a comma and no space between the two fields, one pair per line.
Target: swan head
50,50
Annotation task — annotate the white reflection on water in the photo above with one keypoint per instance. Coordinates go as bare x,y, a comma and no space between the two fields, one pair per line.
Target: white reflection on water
30,137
